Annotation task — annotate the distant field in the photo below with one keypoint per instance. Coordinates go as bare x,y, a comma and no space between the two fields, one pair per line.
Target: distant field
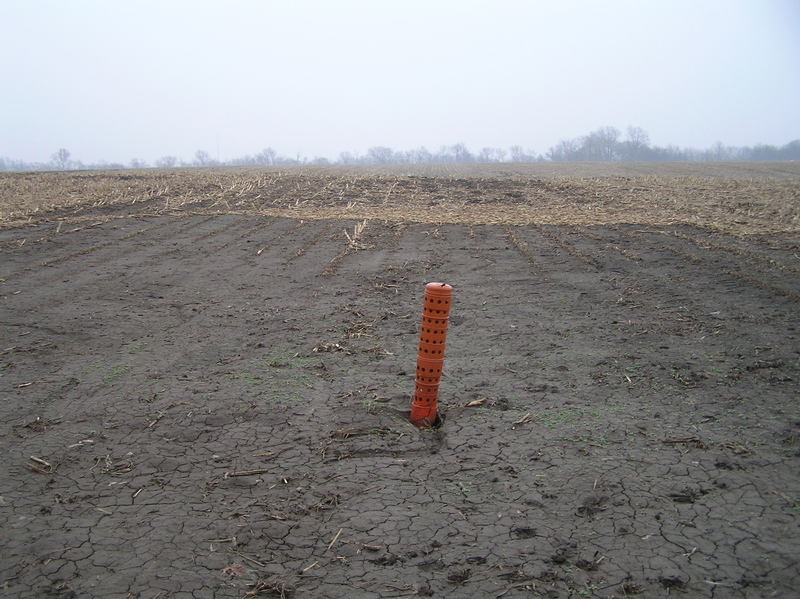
741,198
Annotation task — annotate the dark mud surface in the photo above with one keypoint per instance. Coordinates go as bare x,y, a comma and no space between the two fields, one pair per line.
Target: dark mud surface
213,406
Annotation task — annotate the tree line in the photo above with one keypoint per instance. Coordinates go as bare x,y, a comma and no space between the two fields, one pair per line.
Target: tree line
606,144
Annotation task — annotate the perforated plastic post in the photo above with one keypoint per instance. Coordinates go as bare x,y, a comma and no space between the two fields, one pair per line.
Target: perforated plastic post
430,354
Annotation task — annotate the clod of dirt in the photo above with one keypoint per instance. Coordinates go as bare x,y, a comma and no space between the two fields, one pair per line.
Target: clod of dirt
37,426
511,471
564,552
431,565
689,379
389,559
726,465
674,581
262,588
524,533
501,404
234,570
532,502
459,576
629,588
587,565
688,442
686,496
549,576
61,590
593,505
682,497
764,364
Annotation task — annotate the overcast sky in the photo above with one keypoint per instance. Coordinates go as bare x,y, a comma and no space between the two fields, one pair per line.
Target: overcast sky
116,80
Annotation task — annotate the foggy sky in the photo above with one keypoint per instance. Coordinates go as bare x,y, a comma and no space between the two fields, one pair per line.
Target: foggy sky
139,79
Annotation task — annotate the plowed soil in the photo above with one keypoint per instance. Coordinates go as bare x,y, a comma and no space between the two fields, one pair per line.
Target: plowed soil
205,378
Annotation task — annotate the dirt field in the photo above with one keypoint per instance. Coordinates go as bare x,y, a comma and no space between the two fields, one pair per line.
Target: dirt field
205,375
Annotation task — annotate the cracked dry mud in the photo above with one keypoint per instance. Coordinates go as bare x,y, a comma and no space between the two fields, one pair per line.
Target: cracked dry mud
213,405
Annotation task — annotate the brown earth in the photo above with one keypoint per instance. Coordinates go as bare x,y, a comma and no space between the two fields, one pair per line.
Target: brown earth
205,377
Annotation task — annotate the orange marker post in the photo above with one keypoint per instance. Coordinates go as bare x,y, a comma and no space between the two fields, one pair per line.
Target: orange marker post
430,355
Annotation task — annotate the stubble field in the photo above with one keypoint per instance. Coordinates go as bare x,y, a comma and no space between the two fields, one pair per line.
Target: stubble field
205,377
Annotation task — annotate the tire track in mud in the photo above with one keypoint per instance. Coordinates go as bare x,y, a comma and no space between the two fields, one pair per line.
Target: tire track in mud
193,243
549,231
19,242
367,238
80,253
763,285
621,303
149,241
564,302
705,245
193,320
522,247
750,258
690,270
749,254
324,229
220,230
665,295
195,222
112,243
298,224
584,232
89,277
249,233
412,251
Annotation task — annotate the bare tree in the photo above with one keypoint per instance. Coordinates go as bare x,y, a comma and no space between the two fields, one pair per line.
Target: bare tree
61,159
246,160
380,155
285,160
636,146
600,145
499,155
202,158
420,156
136,163
719,152
266,157
609,136
460,152
491,155
638,136
518,154
564,151
349,158
444,155
166,162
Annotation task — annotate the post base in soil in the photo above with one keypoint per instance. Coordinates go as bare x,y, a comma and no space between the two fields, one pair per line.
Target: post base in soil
426,420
